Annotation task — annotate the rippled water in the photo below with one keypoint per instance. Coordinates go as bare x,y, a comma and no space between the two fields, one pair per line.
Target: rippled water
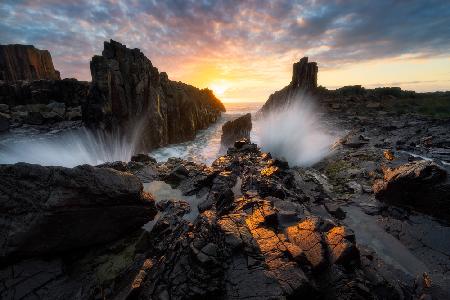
206,146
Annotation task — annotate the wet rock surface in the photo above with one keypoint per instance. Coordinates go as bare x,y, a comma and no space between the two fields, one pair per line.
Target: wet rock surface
269,238
388,174
236,130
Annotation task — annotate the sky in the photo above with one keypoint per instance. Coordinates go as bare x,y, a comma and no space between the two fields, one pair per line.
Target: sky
244,50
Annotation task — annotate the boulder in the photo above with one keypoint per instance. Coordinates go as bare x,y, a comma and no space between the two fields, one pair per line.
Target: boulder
421,185
236,130
47,210
130,95
25,62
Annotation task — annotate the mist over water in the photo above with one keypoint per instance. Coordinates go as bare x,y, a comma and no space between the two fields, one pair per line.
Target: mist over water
68,149
294,133
206,147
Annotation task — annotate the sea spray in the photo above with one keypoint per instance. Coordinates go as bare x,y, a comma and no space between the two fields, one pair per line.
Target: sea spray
294,133
69,149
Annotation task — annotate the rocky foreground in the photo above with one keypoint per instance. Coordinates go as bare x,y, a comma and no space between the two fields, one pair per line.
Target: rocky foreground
261,230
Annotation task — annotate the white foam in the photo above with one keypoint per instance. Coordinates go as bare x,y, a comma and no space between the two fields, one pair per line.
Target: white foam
294,133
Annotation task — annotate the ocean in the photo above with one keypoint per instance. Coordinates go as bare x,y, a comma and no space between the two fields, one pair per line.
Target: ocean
206,146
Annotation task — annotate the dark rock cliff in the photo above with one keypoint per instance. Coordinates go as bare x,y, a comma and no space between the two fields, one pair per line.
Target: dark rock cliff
237,129
304,81
25,62
129,94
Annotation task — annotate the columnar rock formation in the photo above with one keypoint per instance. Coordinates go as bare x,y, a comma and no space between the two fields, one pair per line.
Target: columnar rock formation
304,81
236,130
25,62
129,94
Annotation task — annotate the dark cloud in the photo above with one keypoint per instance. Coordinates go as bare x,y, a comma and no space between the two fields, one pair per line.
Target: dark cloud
173,32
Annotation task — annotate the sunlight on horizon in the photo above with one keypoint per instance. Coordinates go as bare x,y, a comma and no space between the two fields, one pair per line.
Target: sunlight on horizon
237,82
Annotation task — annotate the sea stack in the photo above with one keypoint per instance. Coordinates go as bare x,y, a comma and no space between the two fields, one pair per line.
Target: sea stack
304,82
25,62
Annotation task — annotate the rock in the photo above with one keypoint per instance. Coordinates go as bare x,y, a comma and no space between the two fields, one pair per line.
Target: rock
144,158
304,74
46,210
128,93
243,245
4,108
421,185
307,236
74,113
304,81
335,210
373,105
34,118
25,62
71,92
355,187
58,108
341,246
236,130
353,140
4,122
388,155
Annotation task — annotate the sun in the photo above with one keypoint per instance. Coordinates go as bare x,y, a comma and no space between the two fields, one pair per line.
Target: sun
218,89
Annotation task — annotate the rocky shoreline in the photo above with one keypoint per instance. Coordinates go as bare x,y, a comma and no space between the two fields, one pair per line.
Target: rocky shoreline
262,230
370,221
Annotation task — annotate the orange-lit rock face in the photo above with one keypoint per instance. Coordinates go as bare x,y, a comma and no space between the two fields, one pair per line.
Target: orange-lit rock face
255,230
388,155
307,237
340,246
269,171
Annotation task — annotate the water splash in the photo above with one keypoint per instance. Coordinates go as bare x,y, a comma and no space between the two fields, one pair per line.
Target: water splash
69,149
294,133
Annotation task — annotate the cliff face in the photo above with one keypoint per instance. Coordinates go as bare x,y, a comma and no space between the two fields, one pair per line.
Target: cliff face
25,62
304,81
68,91
129,94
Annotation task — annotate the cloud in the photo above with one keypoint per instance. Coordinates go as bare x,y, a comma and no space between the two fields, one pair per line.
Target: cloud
177,34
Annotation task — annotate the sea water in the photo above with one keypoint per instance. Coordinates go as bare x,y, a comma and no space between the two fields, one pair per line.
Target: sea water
294,134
